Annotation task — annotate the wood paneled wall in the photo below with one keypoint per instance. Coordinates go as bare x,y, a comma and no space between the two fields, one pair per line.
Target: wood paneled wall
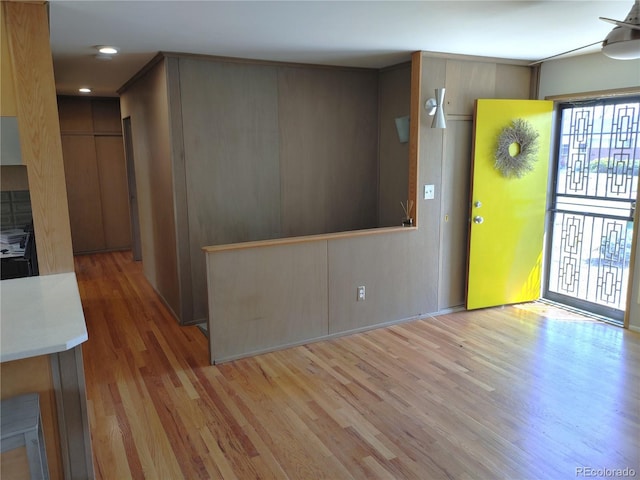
229,116
448,222
393,101
14,177
95,173
250,303
274,151
407,273
283,293
257,151
328,137
146,103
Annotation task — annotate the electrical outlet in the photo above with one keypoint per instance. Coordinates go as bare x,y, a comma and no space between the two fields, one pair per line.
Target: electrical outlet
429,192
361,293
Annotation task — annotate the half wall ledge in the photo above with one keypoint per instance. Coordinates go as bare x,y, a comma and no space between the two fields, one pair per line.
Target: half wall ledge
273,294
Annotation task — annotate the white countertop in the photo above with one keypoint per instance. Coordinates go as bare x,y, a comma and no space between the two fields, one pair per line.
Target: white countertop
40,315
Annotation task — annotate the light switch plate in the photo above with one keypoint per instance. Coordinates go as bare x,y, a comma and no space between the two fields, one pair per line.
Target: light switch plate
429,192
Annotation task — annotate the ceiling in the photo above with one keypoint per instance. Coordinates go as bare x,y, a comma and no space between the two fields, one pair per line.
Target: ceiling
347,33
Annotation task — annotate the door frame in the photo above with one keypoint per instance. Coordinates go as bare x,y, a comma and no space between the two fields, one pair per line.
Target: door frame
552,190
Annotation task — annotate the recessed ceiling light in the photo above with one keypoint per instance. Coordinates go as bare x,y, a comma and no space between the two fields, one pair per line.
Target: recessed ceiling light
108,50
84,90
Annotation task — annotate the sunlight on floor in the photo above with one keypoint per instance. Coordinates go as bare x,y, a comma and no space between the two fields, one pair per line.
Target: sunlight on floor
555,312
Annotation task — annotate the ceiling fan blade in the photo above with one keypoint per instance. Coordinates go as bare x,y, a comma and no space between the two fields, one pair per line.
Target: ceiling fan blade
563,53
621,23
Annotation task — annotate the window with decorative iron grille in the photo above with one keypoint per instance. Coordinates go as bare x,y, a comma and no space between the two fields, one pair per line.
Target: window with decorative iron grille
595,192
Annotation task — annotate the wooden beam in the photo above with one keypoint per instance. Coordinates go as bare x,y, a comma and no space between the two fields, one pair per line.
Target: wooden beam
37,111
414,131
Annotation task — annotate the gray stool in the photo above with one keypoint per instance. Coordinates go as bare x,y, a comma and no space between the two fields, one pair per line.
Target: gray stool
21,425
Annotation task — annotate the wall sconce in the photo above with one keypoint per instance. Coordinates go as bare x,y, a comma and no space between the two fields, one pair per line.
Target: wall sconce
402,127
435,108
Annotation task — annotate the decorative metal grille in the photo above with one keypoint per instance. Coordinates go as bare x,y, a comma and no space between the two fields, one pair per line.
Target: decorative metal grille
598,163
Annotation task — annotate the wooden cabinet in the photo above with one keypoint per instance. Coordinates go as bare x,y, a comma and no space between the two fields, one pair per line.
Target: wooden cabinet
95,173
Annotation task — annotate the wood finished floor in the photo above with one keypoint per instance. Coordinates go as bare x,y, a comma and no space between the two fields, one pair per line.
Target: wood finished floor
522,392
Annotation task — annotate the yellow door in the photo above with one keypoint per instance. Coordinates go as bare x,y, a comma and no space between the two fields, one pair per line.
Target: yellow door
508,201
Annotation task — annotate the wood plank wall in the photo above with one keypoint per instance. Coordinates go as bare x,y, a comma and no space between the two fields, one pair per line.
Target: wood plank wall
95,173
393,101
408,273
328,122
258,151
275,151
241,154
282,293
446,158
146,103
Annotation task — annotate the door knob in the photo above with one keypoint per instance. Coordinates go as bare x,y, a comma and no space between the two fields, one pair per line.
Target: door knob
478,219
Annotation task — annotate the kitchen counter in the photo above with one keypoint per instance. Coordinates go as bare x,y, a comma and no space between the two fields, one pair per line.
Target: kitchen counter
39,316
42,328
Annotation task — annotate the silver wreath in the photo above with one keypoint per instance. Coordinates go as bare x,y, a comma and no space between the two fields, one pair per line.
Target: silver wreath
525,137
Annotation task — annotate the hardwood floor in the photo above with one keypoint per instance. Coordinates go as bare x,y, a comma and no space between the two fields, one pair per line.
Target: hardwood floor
520,392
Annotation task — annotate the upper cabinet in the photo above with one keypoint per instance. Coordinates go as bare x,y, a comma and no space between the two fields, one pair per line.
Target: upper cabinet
95,173
88,115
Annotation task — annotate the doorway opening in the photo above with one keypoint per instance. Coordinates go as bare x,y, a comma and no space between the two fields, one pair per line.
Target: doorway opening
595,188
136,246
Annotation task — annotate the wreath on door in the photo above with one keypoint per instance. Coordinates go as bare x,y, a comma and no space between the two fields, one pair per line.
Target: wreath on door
517,149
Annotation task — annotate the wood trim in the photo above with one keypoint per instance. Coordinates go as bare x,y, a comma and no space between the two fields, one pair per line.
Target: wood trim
40,142
414,130
254,61
618,92
218,58
632,262
181,210
306,239
474,58
534,86
141,73
457,117
89,132
397,66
